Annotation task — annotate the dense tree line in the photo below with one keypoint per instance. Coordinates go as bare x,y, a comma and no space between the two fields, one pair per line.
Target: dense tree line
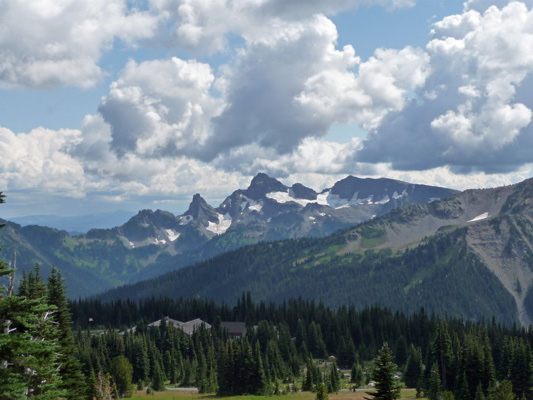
439,356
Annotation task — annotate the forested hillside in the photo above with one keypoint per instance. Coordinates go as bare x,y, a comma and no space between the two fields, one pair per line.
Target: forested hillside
440,275
468,255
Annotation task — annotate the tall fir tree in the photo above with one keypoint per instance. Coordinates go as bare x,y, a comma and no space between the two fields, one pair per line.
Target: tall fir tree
387,387
434,386
28,351
413,367
73,380
334,381
441,353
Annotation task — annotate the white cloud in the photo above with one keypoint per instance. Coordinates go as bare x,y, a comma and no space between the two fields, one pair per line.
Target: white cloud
203,25
472,112
291,83
483,5
186,176
265,88
462,104
160,108
40,160
56,43
53,43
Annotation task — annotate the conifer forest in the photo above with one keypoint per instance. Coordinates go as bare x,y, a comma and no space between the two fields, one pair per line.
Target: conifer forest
87,349
55,348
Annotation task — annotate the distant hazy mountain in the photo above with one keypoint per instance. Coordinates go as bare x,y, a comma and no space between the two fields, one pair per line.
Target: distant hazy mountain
76,224
469,255
154,242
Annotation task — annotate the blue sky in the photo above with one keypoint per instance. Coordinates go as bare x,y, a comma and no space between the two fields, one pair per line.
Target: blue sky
108,104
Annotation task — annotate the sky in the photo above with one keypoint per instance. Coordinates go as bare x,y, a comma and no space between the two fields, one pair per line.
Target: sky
140,104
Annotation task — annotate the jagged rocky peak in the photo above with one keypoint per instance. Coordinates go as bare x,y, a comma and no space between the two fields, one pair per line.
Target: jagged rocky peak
199,209
143,214
158,217
263,184
347,187
300,191
384,189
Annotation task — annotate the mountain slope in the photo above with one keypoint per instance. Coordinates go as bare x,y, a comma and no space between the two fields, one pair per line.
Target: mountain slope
154,242
469,255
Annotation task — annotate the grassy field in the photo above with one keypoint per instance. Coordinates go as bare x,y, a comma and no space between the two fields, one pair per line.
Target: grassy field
172,395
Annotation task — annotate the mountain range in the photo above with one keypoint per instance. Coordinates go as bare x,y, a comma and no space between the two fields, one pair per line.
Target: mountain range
76,225
152,243
468,255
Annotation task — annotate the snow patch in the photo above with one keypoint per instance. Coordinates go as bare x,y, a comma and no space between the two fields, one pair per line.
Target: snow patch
157,241
328,199
184,220
331,200
132,245
256,207
251,204
384,200
396,196
224,222
312,218
480,217
285,197
172,235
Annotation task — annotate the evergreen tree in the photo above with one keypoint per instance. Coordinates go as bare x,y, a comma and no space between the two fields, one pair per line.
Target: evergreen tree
322,392
121,371
448,396
463,391
479,393
357,376
307,384
73,380
383,375
158,380
28,352
258,380
201,373
503,391
435,385
442,354
521,369
334,382
413,367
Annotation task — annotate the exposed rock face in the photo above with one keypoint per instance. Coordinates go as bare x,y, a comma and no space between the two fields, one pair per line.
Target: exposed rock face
154,242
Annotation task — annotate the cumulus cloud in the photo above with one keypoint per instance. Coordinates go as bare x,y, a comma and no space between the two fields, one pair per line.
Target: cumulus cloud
291,83
287,84
174,126
311,156
483,5
203,25
471,113
160,108
55,43
41,160
50,43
